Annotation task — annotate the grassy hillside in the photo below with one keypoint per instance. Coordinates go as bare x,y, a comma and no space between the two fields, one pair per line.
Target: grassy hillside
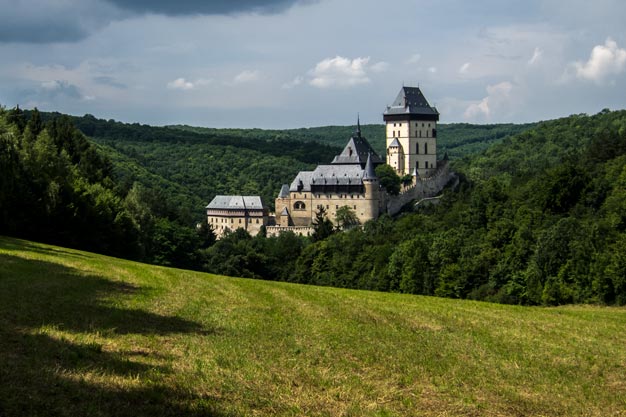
84,334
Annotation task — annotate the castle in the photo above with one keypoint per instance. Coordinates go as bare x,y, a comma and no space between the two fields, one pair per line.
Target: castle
350,179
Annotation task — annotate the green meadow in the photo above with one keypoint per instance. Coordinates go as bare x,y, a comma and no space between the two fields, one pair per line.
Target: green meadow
85,334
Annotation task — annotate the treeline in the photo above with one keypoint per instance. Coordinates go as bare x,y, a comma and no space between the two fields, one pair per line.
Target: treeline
456,139
56,187
538,219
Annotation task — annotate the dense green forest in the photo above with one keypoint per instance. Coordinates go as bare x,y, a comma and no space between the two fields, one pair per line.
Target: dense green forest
190,165
539,217
455,139
56,186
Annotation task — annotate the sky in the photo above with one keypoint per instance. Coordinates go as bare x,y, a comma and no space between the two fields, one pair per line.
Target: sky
301,63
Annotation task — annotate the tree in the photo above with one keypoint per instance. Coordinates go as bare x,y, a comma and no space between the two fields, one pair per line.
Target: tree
322,226
389,180
346,218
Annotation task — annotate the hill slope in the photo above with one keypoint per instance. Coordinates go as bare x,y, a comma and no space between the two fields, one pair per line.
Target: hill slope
84,334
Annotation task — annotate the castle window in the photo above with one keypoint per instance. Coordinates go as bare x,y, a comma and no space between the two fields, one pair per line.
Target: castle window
305,196
299,205
426,164
417,148
394,125
326,206
426,148
354,207
422,124
434,133
336,207
239,221
257,221
420,133
417,164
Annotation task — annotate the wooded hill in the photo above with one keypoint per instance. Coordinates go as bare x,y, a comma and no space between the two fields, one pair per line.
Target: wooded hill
538,218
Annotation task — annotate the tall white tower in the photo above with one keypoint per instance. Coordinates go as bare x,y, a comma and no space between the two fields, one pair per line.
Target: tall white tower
411,131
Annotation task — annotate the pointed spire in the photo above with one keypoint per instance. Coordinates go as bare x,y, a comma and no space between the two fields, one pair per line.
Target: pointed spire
369,174
358,125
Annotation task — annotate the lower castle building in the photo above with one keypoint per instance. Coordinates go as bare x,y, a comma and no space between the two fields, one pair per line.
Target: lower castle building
349,180
229,212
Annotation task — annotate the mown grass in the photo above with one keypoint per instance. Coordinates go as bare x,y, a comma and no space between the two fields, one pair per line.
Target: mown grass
84,334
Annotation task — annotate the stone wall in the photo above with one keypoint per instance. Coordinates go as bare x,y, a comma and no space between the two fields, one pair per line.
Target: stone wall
299,230
423,188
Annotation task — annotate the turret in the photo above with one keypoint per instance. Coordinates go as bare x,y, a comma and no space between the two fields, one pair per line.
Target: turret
372,189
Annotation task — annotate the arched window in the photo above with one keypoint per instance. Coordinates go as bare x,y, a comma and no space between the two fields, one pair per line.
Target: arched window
299,205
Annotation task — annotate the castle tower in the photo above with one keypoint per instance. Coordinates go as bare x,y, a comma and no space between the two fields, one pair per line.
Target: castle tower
372,190
411,132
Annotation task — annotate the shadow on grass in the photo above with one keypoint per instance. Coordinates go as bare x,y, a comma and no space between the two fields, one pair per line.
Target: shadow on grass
42,373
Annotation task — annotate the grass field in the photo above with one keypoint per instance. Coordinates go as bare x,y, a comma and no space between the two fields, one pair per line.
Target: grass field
84,334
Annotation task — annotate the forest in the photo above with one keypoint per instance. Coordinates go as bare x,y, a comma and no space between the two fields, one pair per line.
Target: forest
538,217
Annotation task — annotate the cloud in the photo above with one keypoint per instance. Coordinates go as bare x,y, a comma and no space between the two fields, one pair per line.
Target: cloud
498,97
183,84
180,84
204,7
381,66
537,54
464,68
35,21
605,60
293,83
110,81
340,72
414,59
432,70
32,21
246,76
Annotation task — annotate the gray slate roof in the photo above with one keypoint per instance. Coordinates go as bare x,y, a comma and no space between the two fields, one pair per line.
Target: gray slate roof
236,202
369,173
410,100
284,191
356,152
395,143
329,175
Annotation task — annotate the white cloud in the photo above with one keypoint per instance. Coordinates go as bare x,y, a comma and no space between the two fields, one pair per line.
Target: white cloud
180,84
414,59
432,70
605,60
246,76
498,97
340,72
464,68
293,83
537,54
381,66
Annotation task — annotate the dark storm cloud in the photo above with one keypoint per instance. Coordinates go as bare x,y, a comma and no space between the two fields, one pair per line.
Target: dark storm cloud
45,32
35,21
200,7
110,81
